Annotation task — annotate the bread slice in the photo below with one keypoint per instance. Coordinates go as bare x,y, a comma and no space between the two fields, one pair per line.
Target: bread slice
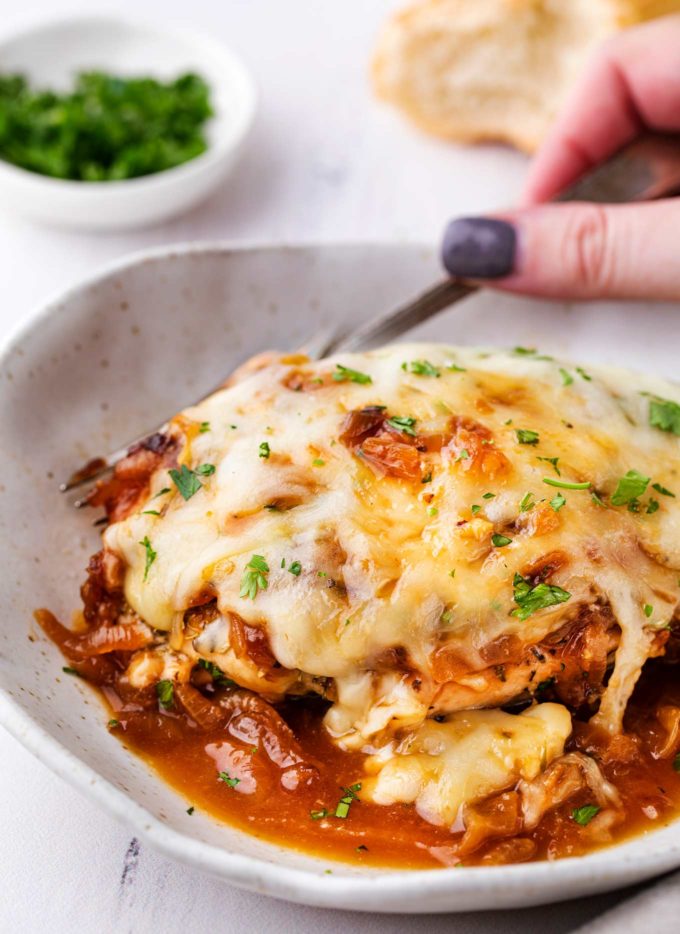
474,70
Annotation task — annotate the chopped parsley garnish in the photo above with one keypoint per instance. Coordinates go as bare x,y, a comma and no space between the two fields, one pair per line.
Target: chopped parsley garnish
205,470
432,511
527,436
203,427
567,378
662,490
350,795
454,368
475,509
676,763
500,541
598,500
166,694
318,462
488,496
186,481
652,506
150,555
427,478
551,460
648,610
530,352
264,451
295,568
254,577
113,723
318,815
630,487
166,489
344,373
216,673
228,780
585,814
191,810
463,456
527,502
565,485
406,424
557,502
70,671
531,599
582,373
151,512
421,368
665,415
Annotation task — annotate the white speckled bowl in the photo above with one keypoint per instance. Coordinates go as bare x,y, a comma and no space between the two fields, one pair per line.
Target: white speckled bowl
115,355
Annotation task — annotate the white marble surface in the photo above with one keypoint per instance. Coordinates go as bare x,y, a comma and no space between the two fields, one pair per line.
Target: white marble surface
325,162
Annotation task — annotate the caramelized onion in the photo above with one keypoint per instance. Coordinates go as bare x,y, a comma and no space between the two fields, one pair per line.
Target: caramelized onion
540,570
391,457
499,816
251,642
564,778
202,711
361,424
483,459
121,637
540,520
129,483
669,718
256,723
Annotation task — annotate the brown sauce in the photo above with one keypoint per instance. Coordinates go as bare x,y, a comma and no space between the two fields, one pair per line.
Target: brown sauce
396,836
285,778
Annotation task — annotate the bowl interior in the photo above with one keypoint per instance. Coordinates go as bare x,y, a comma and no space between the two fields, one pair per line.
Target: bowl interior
51,55
114,357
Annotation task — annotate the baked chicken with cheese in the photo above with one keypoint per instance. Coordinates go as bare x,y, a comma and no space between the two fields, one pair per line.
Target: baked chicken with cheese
462,558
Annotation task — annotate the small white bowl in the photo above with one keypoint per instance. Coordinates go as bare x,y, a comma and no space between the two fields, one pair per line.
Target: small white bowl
50,55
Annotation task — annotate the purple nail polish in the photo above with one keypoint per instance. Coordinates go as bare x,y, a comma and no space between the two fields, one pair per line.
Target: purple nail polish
479,248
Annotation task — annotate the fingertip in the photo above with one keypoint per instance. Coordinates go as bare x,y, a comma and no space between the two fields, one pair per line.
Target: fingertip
479,248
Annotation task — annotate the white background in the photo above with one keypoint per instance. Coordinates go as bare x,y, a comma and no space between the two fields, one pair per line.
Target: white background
325,162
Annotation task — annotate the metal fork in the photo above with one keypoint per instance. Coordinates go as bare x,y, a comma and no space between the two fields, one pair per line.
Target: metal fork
646,169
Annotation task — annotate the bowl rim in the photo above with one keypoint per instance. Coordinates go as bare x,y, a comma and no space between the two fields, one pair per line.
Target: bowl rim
213,155
384,889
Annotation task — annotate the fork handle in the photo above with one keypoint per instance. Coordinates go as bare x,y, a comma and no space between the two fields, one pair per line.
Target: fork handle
646,169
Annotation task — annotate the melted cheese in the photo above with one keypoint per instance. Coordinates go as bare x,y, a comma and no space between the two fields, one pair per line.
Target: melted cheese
389,564
442,766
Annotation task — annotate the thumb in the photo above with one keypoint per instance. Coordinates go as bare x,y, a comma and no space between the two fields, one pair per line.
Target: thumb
573,251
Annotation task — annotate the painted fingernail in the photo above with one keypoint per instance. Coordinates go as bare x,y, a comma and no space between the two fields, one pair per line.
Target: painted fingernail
479,248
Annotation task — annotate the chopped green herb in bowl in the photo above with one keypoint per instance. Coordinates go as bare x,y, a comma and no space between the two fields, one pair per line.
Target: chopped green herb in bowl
107,128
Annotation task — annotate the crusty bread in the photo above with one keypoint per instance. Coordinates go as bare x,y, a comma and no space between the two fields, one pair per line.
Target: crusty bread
475,70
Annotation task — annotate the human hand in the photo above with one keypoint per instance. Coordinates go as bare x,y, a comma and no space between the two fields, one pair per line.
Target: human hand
581,251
